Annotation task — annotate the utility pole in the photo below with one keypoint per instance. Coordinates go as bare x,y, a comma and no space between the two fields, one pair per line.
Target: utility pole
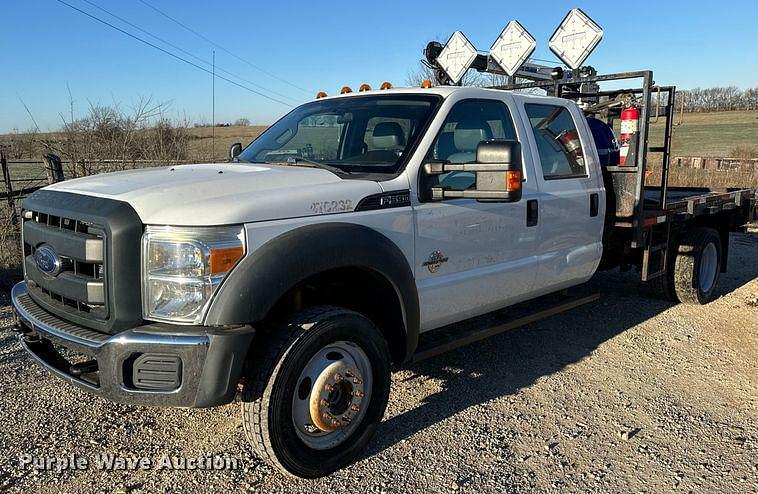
213,110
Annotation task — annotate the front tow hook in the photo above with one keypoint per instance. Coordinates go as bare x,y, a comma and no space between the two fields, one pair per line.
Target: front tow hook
87,367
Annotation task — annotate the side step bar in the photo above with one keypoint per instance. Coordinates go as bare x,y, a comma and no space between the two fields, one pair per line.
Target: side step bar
464,333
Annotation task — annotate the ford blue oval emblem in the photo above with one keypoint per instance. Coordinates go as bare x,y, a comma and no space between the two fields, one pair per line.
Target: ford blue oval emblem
47,261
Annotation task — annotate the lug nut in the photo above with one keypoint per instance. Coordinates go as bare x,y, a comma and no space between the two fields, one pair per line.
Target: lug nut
338,377
355,408
358,393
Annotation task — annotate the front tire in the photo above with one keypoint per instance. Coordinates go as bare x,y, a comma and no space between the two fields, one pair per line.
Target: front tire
316,391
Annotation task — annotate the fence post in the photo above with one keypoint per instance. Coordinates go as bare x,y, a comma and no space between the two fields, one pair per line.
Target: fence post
53,168
8,188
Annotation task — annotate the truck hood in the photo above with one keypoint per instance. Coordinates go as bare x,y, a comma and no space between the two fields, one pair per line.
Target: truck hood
224,193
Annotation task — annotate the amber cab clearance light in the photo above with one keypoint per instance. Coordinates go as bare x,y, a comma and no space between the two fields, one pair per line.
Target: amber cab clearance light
426,84
512,181
364,87
386,85
321,94
346,90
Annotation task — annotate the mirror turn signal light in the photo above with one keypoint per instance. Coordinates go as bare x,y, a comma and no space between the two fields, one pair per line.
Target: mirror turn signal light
426,84
512,181
321,94
386,85
364,87
346,90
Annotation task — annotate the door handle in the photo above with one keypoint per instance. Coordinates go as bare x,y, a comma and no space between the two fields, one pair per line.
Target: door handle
532,212
594,204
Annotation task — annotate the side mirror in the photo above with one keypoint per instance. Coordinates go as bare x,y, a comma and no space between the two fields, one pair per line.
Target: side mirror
234,150
498,172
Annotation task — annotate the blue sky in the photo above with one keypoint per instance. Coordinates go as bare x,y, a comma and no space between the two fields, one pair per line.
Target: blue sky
325,45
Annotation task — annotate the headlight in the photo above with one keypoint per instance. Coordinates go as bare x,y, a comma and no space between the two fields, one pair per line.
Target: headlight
183,267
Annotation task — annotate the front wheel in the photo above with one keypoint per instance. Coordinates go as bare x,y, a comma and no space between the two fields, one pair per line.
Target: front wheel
317,391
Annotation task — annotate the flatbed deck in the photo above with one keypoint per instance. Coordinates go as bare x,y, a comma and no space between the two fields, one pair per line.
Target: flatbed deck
694,201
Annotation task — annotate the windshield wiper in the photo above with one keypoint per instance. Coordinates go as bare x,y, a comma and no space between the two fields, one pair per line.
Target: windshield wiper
309,163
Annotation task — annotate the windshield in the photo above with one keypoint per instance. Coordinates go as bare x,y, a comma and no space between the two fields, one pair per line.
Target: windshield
365,134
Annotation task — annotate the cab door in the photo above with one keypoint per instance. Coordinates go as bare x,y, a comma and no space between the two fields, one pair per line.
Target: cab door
571,198
473,257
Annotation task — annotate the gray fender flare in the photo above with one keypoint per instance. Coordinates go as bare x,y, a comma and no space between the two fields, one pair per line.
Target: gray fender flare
263,276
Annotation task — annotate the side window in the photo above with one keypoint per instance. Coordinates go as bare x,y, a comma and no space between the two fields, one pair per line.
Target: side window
557,141
467,124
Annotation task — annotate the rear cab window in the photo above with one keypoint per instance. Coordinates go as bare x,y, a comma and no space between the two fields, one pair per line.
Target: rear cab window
558,142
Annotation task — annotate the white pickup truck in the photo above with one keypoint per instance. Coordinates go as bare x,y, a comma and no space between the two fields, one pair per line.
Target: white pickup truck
332,247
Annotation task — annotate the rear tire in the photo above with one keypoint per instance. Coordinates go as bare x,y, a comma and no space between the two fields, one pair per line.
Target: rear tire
295,372
697,266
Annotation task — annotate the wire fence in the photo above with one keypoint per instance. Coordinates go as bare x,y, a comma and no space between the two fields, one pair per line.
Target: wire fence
23,177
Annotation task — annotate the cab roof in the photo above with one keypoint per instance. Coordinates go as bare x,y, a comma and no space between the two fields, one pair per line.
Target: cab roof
443,91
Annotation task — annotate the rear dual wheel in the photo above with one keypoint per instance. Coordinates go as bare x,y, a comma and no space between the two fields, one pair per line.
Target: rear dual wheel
693,269
317,391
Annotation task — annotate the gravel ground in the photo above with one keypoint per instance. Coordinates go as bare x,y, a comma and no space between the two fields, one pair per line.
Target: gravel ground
626,394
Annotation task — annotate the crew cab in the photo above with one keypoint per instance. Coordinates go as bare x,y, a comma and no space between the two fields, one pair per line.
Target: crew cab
337,245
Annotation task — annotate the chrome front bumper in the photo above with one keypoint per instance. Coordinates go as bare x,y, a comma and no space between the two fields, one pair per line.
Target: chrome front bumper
153,364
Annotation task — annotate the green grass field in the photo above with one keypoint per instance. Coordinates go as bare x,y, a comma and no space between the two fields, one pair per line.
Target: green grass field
710,134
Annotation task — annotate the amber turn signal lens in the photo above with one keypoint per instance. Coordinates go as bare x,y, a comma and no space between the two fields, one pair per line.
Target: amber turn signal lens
512,181
346,90
386,85
321,94
223,260
364,87
426,84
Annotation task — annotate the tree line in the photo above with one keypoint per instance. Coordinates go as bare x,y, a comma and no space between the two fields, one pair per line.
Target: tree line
714,99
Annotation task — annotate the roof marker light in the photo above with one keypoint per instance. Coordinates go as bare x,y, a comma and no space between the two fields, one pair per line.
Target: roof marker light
346,90
386,85
321,94
364,87
426,84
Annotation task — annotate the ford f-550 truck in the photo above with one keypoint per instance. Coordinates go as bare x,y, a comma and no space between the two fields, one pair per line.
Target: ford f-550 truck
354,234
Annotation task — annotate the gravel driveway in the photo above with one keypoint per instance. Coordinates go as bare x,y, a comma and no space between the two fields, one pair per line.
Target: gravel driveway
625,394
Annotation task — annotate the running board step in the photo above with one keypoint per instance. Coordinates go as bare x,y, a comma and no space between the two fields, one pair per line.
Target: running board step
464,333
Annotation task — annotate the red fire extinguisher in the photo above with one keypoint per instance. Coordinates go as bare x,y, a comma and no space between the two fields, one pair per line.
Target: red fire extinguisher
630,117
571,142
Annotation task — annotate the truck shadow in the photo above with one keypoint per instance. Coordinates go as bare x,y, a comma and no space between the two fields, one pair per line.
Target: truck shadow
504,364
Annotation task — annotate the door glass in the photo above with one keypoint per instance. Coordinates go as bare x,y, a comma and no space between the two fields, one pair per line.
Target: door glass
469,123
557,141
